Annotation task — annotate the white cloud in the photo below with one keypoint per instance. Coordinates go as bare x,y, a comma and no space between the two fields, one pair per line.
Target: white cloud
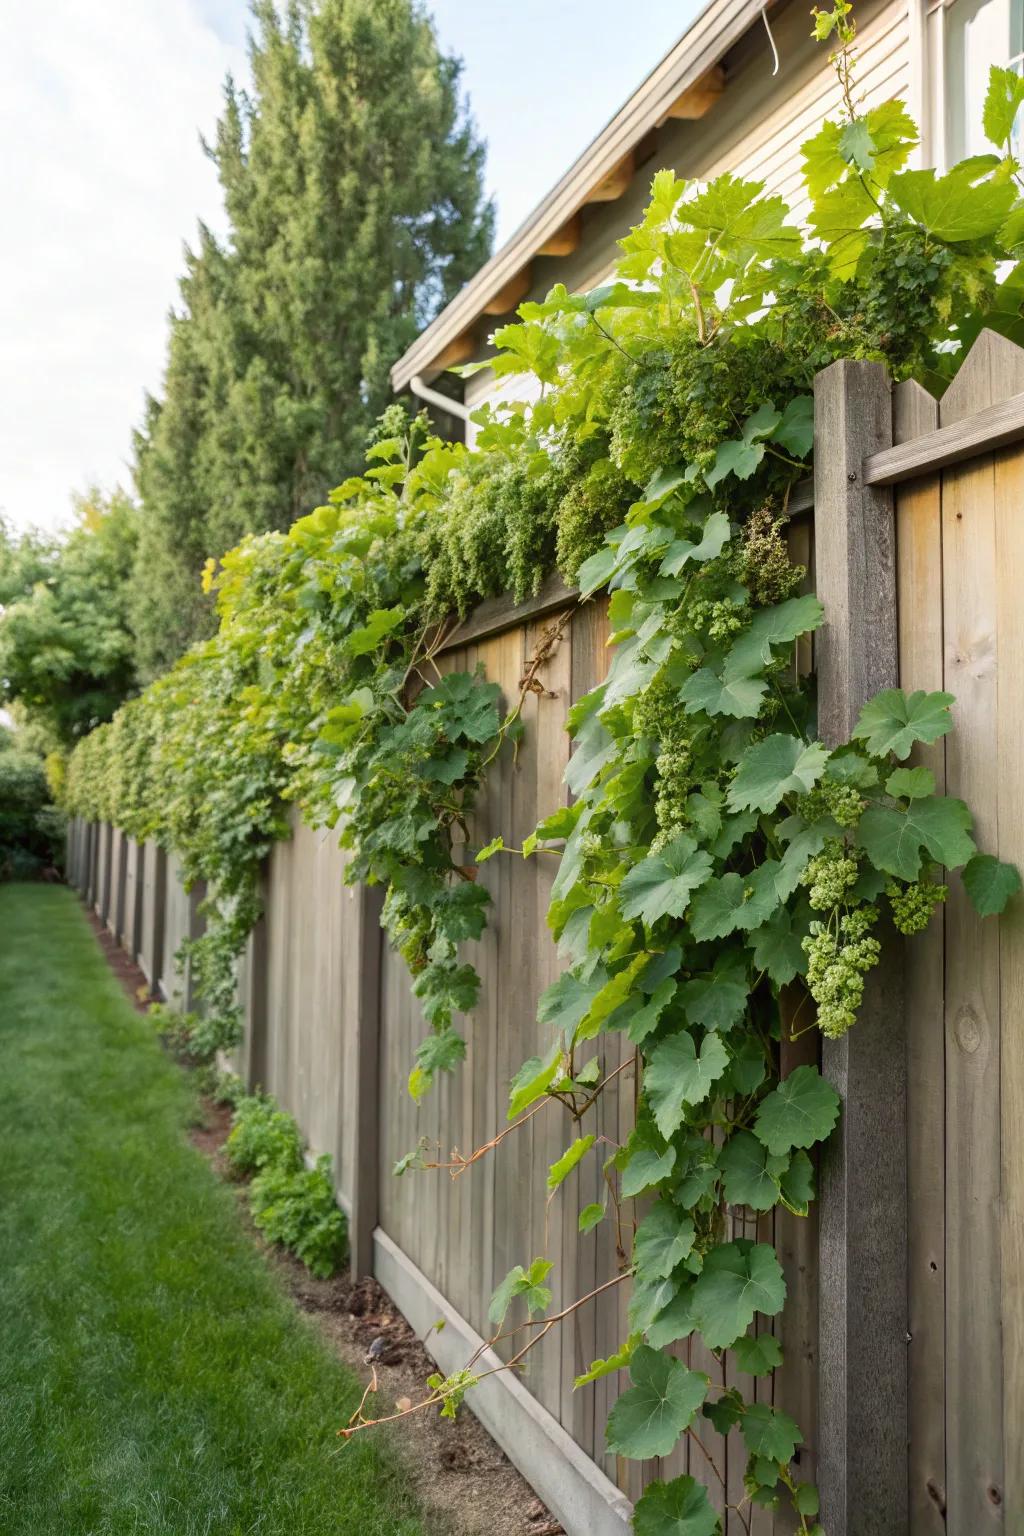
102,178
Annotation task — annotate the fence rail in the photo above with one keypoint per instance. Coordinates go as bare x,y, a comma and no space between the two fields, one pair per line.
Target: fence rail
904,1330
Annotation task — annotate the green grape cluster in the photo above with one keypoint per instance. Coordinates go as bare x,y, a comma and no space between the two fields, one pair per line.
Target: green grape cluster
830,876
596,502
657,715
830,798
837,962
646,421
722,619
409,926
763,562
912,905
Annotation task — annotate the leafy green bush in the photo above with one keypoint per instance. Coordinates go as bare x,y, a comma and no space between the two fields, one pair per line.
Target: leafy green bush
296,1208
220,1086
263,1136
31,828
175,1029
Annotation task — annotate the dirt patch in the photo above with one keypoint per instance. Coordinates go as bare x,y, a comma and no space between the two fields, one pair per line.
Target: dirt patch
468,1485
132,979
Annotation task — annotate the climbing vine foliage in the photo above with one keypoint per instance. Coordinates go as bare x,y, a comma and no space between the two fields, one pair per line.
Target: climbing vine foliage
725,882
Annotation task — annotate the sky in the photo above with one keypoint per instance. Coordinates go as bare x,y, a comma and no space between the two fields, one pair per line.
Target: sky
103,181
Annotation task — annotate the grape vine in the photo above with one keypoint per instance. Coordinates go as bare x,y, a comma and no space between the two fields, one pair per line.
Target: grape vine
715,853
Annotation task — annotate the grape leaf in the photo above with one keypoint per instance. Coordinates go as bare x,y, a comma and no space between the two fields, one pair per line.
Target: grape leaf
721,908
750,1173
561,1169
717,1000
675,1321
893,721
952,207
740,456
677,1075
663,1239
856,145
678,1508
770,1433
777,945
779,625
1002,103
610,996
381,622
460,911
640,1023
740,697
590,1216
739,1279
464,706
910,783
989,883
645,1161
796,429
661,886
616,1362
568,1000
534,1077
528,1283
799,1112
797,1184
893,839
648,1419
777,766
711,543
757,1354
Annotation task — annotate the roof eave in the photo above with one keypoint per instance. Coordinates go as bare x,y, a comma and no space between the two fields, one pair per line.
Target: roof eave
721,24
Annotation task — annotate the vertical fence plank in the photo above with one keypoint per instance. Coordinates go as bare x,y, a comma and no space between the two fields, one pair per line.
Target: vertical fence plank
1009,474
972,573
863,1248
365,1172
919,565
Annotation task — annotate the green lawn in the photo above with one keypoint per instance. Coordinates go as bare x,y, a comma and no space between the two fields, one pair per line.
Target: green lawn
153,1376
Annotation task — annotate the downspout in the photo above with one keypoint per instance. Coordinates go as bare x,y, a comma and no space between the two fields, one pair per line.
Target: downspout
434,397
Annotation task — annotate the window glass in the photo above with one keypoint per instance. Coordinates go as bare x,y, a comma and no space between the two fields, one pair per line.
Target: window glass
978,34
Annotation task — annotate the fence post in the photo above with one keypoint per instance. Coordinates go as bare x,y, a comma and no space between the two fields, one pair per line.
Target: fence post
366,1172
156,938
862,1425
253,1061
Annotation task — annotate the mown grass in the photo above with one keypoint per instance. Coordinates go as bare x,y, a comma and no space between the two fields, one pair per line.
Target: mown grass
154,1379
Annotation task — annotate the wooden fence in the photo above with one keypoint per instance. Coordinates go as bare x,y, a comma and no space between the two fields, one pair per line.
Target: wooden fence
904,1328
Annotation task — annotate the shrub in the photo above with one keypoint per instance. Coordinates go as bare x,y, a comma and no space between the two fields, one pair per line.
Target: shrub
31,828
263,1137
297,1208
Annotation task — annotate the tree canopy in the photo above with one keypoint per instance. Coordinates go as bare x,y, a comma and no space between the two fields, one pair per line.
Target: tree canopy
352,179
66,651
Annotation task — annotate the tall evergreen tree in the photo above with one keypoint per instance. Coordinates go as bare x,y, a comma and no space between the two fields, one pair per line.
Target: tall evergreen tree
352,178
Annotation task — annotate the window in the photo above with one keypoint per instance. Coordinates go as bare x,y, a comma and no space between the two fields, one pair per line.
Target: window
976,35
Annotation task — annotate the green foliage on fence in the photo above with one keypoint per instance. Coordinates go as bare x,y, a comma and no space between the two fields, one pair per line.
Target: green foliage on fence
715,852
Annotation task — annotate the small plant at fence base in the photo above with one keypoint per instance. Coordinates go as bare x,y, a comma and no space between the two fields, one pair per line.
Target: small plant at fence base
725,881
291,1204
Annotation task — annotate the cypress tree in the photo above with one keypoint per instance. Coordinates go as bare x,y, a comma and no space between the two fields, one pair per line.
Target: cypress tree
352,180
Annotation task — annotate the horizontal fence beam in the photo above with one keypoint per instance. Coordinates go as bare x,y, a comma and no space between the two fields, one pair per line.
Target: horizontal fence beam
495,615
995,427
